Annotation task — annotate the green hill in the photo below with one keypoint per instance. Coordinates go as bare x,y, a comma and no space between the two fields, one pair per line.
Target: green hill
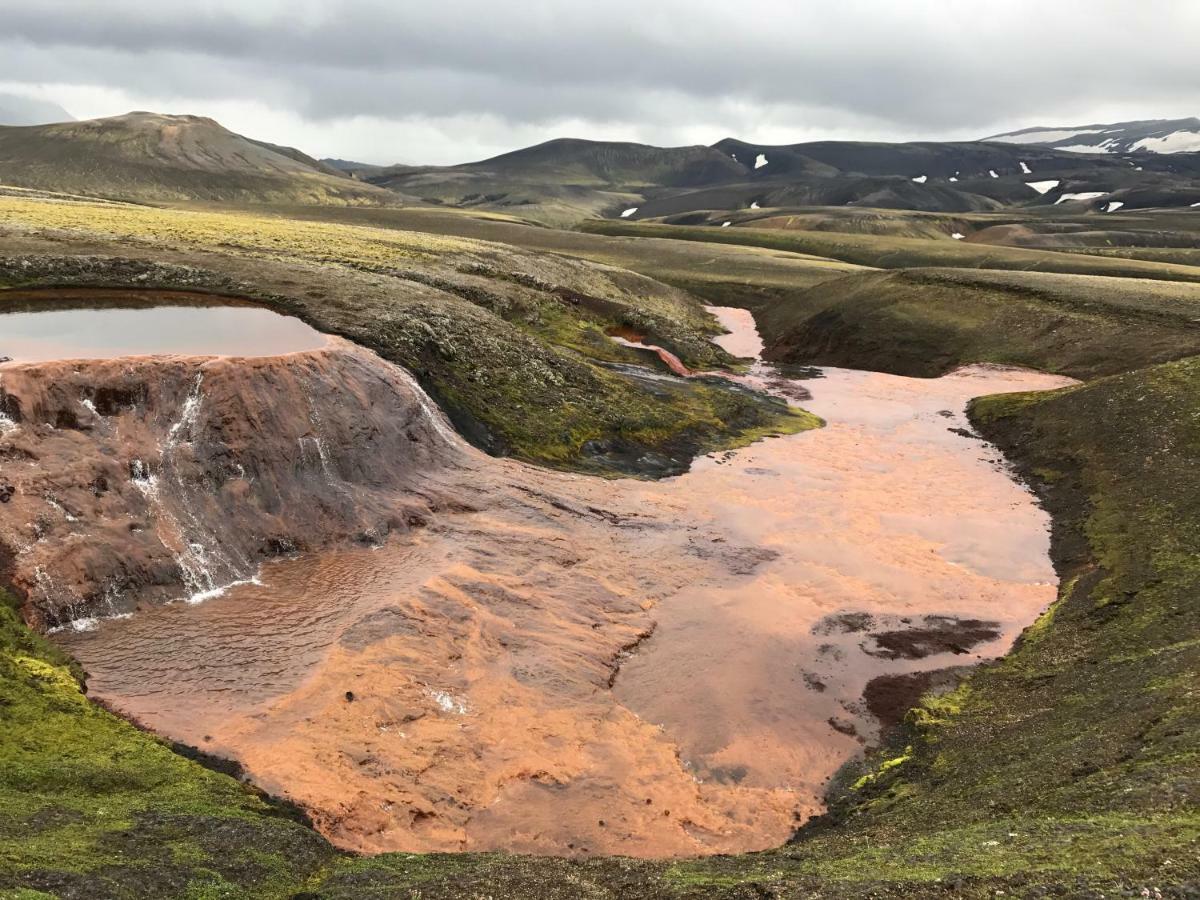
150,157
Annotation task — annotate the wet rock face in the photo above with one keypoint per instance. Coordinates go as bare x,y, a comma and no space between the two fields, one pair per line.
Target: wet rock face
158,477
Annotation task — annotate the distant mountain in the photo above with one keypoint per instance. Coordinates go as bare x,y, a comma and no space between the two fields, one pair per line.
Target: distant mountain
152,157
563,181
1150,136
613,164
17,110
352,168
927,176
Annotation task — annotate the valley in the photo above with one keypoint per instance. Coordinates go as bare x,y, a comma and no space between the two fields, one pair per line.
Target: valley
822,528
482,616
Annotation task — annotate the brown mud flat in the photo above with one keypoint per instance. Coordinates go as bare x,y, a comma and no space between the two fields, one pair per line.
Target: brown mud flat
548,663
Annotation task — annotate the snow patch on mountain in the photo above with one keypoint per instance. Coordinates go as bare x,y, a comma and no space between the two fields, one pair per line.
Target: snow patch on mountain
1175,142
1043,137
1043,186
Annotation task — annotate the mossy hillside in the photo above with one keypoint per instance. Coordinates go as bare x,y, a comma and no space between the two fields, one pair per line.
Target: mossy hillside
1067,770
92,807
688,264
926,322
504,279
510,343
151,158
892,252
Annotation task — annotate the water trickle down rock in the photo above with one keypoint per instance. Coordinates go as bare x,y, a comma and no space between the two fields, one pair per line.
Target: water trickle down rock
155,478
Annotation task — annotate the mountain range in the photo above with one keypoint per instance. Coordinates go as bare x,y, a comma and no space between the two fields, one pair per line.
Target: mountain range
19,110
150,157
1147,136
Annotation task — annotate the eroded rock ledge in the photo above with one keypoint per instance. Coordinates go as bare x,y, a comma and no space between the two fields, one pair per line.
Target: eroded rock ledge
150,478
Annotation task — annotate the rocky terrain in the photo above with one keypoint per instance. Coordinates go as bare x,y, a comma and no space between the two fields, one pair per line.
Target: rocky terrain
138,481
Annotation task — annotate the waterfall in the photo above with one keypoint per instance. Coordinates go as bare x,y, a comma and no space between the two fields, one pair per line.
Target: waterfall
205,564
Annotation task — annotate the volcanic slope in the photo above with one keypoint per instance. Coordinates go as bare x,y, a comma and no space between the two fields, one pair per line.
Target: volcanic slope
151,157
563,180
1145,136
566,180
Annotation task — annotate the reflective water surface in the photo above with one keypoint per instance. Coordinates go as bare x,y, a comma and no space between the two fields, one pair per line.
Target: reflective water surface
91,323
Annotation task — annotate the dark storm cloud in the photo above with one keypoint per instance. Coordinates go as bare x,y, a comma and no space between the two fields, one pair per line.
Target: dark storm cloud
914,68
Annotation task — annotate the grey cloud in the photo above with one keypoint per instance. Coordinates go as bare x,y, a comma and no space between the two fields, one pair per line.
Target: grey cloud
923,68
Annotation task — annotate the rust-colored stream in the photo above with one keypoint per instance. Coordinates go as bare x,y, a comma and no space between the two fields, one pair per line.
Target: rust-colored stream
491,681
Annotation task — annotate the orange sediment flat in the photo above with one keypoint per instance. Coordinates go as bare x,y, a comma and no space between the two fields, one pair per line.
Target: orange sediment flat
561,665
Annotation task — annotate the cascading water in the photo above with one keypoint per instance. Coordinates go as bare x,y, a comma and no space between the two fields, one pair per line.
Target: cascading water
207,567
151,479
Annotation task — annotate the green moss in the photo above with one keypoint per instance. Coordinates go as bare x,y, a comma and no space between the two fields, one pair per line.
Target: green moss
926,322
882,770
892,252
88,800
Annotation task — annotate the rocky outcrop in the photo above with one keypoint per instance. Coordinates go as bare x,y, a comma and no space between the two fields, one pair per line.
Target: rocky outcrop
157,477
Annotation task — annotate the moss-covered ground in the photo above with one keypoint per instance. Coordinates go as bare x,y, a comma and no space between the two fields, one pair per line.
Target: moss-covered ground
511,343
92,807
893,252
926,322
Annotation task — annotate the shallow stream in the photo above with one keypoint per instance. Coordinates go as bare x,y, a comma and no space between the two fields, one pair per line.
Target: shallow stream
579,666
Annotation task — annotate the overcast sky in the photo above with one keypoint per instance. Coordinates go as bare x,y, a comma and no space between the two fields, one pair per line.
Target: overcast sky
449,81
